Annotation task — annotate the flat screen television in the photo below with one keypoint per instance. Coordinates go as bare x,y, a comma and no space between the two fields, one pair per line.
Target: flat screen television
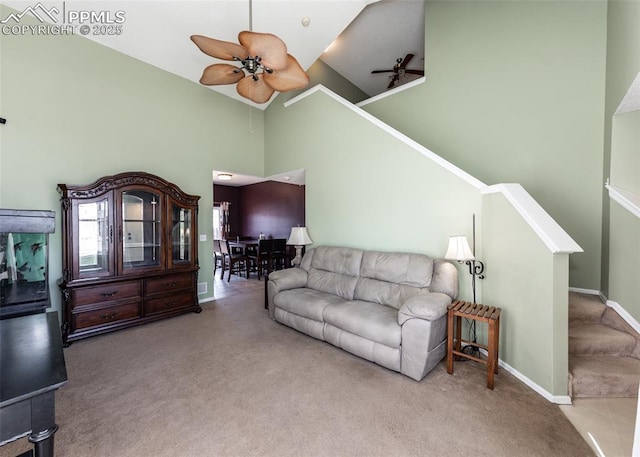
24,253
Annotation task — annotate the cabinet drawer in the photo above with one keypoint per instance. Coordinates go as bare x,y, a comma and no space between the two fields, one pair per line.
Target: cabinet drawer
107,315
163,304
106,292
168,283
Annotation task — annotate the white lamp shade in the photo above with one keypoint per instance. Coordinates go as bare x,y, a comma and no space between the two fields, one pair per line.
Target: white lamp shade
299,237
459,249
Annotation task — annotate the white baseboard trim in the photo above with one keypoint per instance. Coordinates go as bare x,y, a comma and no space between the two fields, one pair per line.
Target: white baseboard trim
584,291
636,435
624,314
628,318
557,399
205,300
589,292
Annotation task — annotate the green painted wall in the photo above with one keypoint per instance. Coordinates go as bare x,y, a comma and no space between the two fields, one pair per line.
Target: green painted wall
77,111
530,284
621,230
624,251
364,187
625,152
514,92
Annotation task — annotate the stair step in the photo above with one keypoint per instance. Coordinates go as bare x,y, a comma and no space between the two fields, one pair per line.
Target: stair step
585,307
612,319
598,376
599,340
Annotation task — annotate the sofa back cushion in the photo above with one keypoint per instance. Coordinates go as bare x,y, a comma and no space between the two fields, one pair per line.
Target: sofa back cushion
410,269
333,270
389,278
385,293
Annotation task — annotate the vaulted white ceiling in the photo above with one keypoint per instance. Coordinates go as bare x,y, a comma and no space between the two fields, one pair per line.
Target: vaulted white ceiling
382,33
157,32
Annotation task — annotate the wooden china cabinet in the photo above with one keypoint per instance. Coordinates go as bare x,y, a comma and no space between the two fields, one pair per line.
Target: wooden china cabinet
129,253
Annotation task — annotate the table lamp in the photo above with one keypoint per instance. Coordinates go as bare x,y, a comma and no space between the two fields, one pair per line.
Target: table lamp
298,238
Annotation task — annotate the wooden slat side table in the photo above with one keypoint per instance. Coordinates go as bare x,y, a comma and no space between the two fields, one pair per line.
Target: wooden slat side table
482,313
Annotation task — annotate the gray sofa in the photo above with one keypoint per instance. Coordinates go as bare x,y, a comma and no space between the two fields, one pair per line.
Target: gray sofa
389,308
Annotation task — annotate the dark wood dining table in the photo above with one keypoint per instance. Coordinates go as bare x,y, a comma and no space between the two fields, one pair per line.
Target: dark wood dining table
245,246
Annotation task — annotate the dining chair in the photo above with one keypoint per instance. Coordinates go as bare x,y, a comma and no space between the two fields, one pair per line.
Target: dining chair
224,251
262,257
235,261
279,254
218,258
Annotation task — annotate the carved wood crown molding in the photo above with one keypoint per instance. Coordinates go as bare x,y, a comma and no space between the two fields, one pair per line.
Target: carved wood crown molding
108,183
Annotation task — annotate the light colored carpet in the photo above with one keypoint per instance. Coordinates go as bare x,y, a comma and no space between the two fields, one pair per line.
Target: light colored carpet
231,382
603,350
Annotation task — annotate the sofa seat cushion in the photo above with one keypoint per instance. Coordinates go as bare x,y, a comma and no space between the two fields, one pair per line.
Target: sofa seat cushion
372,321
305,302
310,327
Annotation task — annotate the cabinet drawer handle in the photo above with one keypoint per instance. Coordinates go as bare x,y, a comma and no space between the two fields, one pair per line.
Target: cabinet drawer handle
170,305
109,294
109,317
172,284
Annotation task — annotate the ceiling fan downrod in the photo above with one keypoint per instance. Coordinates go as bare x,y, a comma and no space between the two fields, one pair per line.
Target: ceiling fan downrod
252,64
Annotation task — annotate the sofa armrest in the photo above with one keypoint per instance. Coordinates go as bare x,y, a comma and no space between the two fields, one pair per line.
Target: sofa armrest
428,307
290,278
279,280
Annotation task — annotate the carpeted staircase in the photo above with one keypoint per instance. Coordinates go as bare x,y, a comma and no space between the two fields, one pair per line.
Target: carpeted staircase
604,351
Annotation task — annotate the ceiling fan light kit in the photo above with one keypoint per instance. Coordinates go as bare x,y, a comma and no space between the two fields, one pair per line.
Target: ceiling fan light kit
266,67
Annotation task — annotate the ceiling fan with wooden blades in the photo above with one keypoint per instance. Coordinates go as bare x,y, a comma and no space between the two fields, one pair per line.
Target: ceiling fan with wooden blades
400,70
265,66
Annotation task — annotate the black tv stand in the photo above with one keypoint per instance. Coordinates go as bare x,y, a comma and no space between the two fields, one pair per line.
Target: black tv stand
33,368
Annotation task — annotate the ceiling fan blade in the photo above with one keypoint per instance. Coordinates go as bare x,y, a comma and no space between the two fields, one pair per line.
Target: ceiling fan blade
257,91
415,72
221,73
269,47
219,49
394,79
291,78
381,71
406,60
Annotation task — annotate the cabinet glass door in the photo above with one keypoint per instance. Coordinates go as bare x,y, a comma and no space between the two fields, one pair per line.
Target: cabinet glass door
141,230
181,233
95,234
